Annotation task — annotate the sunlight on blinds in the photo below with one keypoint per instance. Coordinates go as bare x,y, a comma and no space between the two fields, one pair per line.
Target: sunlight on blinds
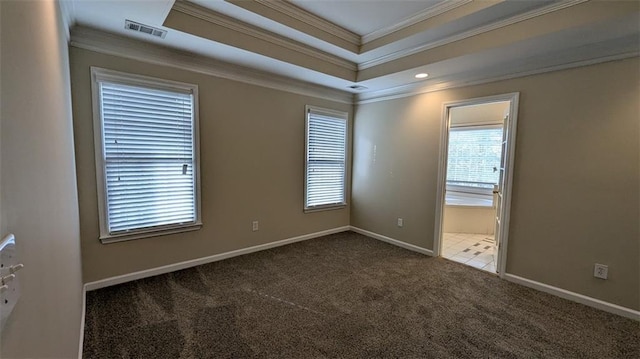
148,156
326,154
474,156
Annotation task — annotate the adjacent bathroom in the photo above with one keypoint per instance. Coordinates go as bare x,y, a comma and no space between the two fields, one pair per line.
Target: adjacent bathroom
475,167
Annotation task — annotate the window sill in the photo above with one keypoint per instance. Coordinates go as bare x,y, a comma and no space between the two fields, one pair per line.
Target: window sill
469,206
329,207
111,238
461,199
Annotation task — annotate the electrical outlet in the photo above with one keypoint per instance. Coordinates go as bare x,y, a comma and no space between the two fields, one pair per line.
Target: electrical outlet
400,222
600,271
254,226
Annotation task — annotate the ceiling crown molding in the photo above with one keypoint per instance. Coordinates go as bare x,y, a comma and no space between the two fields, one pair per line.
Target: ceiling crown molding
293,11
467,34
111,44
426,14
230,23
417,88
68,16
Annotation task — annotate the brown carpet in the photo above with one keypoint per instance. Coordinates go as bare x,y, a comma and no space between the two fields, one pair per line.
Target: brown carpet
345,296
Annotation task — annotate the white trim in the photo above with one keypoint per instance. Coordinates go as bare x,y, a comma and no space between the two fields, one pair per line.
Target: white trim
67,14
507,184
442,183
336,115
559,292
99,75
111,44
167,9
152,232
575,297
82,319
423,15
395,242
513,98
293,11
230,23
418,88
102,74
467,34
204,260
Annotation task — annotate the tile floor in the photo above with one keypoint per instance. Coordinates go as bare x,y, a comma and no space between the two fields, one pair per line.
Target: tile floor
471,249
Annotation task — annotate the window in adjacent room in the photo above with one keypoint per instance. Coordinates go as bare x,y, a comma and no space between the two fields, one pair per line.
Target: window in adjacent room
146,138
326,154
473,164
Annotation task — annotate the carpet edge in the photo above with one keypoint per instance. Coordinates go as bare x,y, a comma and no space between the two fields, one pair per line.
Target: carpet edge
575,297
107,282
395,242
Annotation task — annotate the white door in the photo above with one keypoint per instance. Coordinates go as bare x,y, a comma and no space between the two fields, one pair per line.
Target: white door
498,194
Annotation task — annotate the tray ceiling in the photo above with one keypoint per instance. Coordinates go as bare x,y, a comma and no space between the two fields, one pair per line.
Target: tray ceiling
380,45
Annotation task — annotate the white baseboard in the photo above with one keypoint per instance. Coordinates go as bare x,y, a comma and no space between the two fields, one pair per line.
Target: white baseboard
559,292
204,260
395,242
82,319
575,297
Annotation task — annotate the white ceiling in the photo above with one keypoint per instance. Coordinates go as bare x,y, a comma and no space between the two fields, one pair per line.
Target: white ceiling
445,38
365,16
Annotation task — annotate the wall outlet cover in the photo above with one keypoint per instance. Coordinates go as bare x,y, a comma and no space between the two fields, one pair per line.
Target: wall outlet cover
600,271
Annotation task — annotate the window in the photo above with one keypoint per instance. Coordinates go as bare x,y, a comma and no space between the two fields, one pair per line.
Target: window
473,164
325,166
146,155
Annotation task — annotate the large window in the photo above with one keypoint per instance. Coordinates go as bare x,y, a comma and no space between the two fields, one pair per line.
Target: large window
473,164
146,155
326,152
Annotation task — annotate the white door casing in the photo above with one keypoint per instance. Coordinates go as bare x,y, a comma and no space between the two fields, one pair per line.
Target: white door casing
506,178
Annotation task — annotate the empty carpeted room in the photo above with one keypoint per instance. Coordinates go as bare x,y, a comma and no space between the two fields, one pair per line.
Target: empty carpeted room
320,179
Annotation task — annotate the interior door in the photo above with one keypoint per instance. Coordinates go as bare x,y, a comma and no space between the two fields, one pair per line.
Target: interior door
498,196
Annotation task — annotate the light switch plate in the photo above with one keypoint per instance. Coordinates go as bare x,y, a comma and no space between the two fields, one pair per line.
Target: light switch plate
11,293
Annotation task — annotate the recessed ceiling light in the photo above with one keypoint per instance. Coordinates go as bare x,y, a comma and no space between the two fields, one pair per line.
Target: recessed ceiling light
422,76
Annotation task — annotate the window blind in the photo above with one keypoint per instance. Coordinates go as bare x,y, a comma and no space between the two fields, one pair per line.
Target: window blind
326,157
473,155
148,139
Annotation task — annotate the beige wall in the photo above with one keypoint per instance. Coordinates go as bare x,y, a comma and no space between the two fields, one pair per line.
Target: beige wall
469,219
39,194
576,188
252,168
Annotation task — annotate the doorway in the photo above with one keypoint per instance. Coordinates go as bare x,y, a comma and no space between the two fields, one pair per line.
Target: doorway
474,183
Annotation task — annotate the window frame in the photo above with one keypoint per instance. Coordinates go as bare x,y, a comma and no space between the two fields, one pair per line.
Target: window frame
105,75
339,115
474,195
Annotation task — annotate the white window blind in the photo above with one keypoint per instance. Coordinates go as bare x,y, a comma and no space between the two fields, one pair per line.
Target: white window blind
474,156
473,164
149,157
326,140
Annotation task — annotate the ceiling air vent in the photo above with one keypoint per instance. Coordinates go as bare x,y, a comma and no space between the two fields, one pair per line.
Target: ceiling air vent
145,29
358,87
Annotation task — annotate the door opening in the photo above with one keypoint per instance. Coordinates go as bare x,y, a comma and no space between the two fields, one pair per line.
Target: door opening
474,183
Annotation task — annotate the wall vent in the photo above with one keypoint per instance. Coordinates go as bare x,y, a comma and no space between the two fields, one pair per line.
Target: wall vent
145,29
